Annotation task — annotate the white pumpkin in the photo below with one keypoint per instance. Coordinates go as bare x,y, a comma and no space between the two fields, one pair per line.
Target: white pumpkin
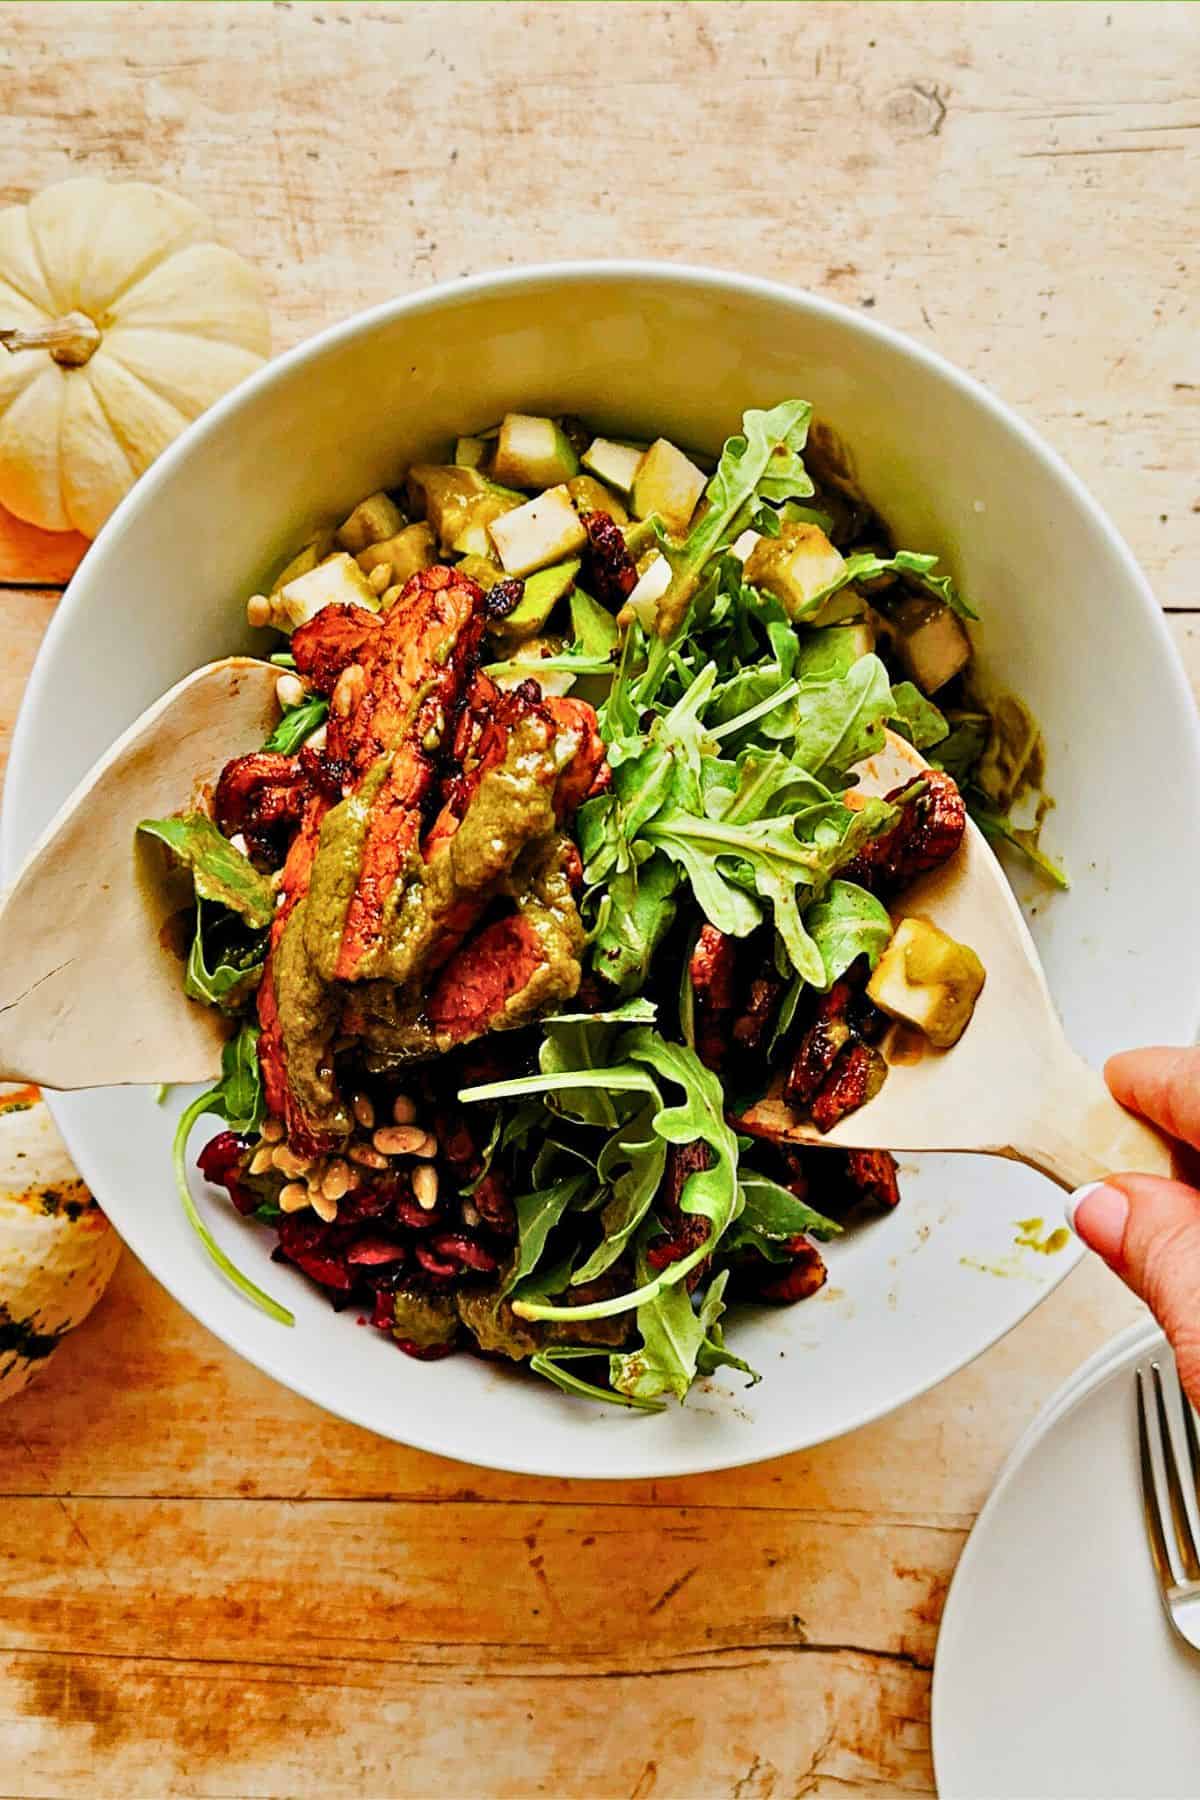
125,321
57,1249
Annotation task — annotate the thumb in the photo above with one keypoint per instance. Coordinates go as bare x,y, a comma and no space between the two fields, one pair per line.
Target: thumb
1148,1232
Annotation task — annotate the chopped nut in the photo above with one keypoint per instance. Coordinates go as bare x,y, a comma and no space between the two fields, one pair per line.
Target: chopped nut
294,1197
271,1131
288,1163
366,1157
290,691
425,1186
390,596
404,1109
322,1205
262,1160
258,611
381,576
429,1147
349,687
315,739
398,1140
364,1112
337,1180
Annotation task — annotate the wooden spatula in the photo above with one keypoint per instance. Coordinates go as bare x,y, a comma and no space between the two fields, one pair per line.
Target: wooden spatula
91,993
1012,1086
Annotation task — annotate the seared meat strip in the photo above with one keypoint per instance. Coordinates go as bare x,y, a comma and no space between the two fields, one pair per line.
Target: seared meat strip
856,1077
712,969
328,644
685,1231
820,1047
928,832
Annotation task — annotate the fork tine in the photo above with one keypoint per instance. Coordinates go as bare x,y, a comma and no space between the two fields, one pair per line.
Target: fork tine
1154,1530
1179,1514
1193,1448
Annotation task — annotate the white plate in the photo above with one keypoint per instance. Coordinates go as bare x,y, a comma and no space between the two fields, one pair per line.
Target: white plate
1070,623
1057,1674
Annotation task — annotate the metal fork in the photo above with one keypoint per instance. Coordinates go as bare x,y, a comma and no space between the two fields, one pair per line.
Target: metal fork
1178,1576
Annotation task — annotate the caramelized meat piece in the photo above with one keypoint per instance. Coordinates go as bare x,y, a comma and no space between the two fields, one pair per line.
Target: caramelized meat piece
263,796
786,1283
338,636
586,772
610,569
754,1021
685,1231
873,1174
856,1077
712,969
505,976
927,833
820,1046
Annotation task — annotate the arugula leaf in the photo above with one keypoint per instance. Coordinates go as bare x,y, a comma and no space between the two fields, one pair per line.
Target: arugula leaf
237,959
641,913
846,923
297,724
639,1011
916,718
549,1363
220,871
958,753
838,723
712,1354
596,631
762,461
671,1339
238,1099
865,565
537,1215
1000,829
772,1211
631,1165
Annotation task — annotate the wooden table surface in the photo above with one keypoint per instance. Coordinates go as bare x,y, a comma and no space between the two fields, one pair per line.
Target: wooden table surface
206,1586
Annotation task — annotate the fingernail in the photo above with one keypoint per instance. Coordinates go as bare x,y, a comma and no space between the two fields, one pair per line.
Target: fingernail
1099,1214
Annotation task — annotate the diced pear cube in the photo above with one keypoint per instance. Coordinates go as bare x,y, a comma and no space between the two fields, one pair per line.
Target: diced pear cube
545,530
533,452
930,641
651,585
795,566
374,518
616,464
337,580
668,484
409,550
927,979
743,545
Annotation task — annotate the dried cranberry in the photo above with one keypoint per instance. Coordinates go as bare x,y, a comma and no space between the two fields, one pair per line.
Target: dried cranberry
425,1352
504,598
463,1248
611,569
221,1162
371,1251
433,1264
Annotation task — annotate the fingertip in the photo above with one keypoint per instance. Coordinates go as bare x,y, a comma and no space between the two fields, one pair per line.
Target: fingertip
1098,1214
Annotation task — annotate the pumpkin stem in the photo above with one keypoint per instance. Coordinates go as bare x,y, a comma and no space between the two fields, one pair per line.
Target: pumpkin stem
71,340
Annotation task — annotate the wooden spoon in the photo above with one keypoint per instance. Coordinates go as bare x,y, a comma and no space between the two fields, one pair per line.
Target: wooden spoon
91,993
1012,1086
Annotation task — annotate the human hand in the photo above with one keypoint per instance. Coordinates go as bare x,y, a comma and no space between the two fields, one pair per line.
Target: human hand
1148,1229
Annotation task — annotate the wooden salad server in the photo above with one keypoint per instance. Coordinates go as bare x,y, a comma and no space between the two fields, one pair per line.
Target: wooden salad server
1012,1086
91,992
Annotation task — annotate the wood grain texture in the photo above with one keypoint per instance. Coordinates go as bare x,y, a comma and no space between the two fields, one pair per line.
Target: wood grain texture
211,1588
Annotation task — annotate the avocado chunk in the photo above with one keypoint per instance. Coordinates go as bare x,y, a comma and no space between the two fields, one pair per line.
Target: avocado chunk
929,640
543,531
616,464
373,519
479,569
928,980
542,593
591,495
455,500
795,566
667,483
313,553
339,579
532,452
831,651
470,452
409,550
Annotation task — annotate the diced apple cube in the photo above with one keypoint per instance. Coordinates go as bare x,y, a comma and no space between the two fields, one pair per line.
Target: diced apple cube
545,530
927,979
795,566
616,464
338,580
930,641
374,518
667,484
533,452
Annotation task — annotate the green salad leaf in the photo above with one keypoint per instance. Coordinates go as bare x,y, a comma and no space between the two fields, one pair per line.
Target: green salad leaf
917,569
221,872
297,724
916,718
846,923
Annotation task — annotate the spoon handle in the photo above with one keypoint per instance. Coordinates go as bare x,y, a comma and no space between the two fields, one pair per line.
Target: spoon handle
1080,1134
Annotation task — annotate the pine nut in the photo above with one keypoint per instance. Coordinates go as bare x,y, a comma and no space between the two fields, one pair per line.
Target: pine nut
349,687
324,1208
294,1197
366,1158
290,691
429,1147
271,1131
288,1163
239,842
315,739
364,1112
258,611
404,1110
337,1180
425,1186
381,576
390,597
470,1216
398,1140
261,1161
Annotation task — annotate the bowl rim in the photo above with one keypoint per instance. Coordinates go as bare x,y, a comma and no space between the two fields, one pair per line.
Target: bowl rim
711,283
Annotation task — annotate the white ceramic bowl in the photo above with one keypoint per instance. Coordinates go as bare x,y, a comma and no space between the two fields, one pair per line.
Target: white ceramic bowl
1069,623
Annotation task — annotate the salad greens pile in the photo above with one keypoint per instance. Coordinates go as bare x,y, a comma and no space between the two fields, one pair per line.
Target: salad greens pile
733,723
